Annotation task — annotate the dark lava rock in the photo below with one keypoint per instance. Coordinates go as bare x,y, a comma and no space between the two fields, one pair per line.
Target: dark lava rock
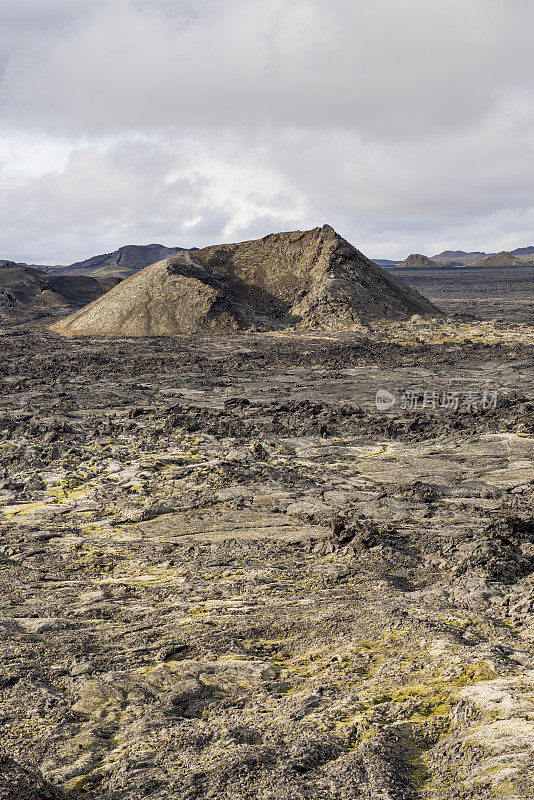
185,699
20,783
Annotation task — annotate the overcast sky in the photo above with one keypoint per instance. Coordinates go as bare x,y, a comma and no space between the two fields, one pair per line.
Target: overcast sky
406,124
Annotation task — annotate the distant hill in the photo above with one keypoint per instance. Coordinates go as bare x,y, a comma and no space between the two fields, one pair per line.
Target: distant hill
459,254
461,258
457,258
524,253
121,263
502,259
309,279
419,261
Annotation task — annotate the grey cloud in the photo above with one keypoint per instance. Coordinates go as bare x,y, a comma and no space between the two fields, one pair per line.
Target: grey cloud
405,124
30,25
388,68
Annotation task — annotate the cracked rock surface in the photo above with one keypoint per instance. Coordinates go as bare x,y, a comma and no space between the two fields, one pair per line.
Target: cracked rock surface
225,574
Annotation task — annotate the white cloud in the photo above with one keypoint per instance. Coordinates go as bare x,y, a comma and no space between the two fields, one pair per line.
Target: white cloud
137,189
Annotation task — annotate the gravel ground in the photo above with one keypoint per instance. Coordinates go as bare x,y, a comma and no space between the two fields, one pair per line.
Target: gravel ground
226,574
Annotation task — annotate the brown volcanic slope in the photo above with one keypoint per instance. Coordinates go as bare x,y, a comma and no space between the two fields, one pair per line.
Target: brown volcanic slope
310,279
419,261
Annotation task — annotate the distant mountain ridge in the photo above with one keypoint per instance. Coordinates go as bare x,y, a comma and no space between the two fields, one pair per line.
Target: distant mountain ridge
385,262
458,258
461,258
129,259
521,256
523,251
122,263
458,253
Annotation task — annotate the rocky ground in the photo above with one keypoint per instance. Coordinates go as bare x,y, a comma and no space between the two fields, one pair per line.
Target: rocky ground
225,574
489,293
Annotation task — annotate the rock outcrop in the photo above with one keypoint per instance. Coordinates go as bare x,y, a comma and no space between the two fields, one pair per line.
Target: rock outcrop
21,783
310,279
27,293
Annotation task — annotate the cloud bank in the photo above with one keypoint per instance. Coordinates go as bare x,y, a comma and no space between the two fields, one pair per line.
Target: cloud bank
407,125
